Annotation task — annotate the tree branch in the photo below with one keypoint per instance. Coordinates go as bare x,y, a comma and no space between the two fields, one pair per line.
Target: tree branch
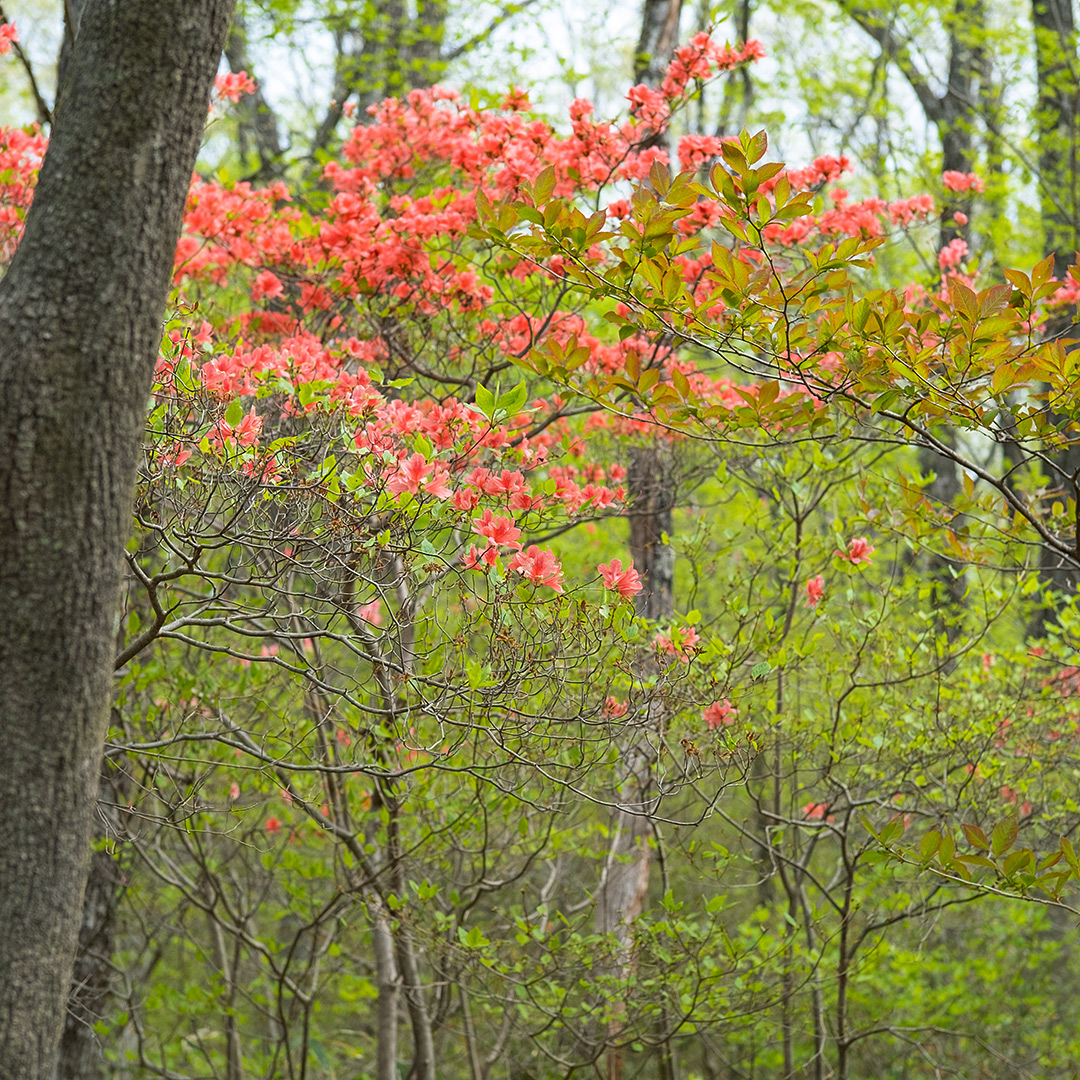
508,12
44,113
898,51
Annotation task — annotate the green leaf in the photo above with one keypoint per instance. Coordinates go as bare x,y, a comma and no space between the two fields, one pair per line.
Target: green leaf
893,831
757,146
544,185
929,845
234,413
977,860
1017,860
485,400
1004,836
511,402
473,939
976,837
320,1054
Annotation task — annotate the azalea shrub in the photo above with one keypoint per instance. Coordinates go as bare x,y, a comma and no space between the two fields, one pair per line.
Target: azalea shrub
383,692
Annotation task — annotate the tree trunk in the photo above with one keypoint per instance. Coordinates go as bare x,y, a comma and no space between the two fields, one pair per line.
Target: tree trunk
657,41
624,882
953,115
389,986
80,322
73,10
650,481
80,1056
955,128
257,127
1057,110
1056,113
390,50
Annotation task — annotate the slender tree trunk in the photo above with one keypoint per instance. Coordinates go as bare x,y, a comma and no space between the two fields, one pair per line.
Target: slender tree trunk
658,38
73,10
651,481
426,46
423,1066
389,986
385,54
257,127
234,1050
423,1042
650,478
625,879
80,323
1057,112
621,897
956,126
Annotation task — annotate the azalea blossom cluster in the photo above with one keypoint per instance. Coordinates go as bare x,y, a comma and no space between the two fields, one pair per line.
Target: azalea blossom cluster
862,218
233,85
958,181
858,551
720,714
698,61
627,583
383,234
21,153
680,642
953,254
8,37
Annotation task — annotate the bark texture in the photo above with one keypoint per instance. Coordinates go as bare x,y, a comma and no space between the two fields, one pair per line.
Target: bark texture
79,1056
652,483
80,322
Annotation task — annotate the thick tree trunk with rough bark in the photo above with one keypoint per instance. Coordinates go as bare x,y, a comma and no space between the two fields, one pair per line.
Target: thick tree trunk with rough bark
80,322
73,10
